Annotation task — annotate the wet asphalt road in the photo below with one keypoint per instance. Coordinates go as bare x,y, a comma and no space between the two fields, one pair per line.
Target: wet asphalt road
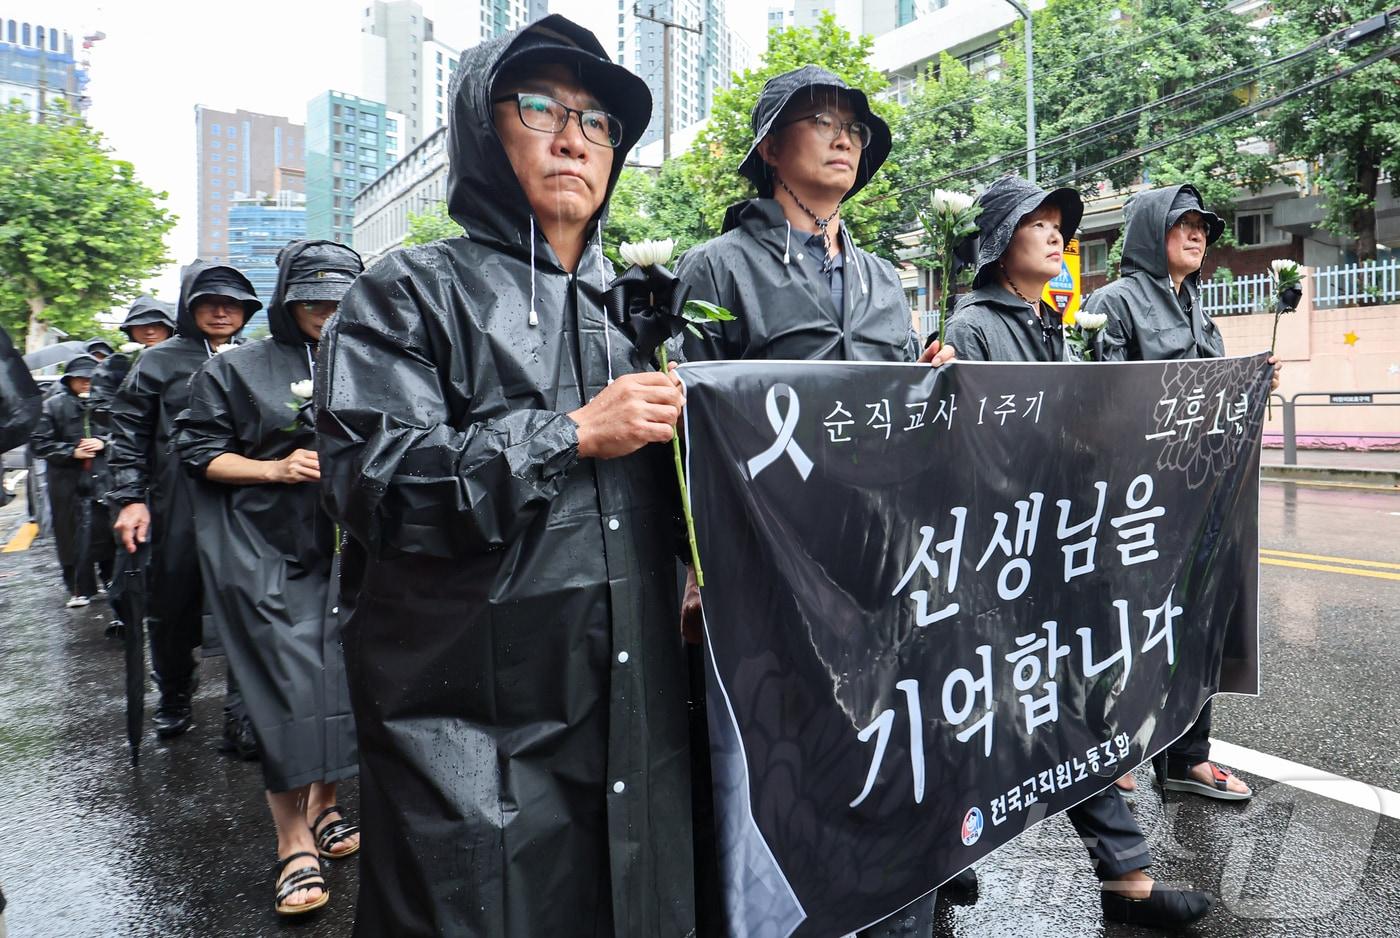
182,845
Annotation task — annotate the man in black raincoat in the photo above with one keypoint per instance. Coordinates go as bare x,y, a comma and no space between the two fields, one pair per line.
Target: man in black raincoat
154,493
1154,313
20,397
270,547
77,459
517,680
800,289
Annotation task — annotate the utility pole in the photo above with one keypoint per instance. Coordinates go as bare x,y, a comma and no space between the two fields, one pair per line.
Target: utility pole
666,27
1025,14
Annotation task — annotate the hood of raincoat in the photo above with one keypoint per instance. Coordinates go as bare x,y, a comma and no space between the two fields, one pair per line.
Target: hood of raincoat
777,92
146,311
1150,215
79,366
484,196
1004,204
98,345
308,271
201,278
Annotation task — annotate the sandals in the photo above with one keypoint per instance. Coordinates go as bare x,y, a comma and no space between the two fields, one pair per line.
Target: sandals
305,878
1220,787
333,834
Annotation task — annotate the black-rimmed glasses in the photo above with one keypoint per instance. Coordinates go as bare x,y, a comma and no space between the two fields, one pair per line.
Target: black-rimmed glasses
545,114
829,127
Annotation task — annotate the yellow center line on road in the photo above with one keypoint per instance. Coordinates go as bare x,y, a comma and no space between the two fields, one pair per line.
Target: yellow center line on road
1328,568
22,539
1293,555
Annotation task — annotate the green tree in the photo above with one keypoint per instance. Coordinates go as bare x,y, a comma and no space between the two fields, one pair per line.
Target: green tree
431,225
79,233
654,204
712,163
1348,131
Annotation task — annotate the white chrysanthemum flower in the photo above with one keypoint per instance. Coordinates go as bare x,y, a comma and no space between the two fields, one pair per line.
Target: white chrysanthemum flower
84,394
1090,322
946,200
130,347
648,253
1281,265
303,389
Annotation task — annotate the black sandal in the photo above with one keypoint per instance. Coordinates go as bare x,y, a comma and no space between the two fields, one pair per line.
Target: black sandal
306,878
334,833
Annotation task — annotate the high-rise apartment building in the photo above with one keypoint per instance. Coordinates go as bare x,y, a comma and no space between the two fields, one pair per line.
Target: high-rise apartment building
240,153
259,226
701,63
409,68
350,141
858,17
40,65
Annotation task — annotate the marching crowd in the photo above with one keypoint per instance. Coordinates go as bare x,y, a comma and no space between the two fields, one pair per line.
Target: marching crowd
424,518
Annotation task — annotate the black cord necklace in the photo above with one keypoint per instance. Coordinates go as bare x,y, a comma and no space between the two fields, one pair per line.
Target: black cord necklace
1048,331
821,224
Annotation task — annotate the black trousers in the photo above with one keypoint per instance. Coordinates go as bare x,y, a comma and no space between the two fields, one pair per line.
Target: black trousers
1110,834
1192,748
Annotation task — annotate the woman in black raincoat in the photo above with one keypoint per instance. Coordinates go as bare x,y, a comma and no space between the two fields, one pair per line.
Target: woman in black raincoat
517,680
77,460
153,492
267,547
1018,249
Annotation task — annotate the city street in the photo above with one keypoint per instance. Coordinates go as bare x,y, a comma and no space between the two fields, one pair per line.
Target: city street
182,846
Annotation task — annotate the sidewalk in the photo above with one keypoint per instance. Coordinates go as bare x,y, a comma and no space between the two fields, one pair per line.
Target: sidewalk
1331,466
1336,458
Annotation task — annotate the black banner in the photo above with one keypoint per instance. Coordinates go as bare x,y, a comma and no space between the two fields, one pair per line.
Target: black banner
943,606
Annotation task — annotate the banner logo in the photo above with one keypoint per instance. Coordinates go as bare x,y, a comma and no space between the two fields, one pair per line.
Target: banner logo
972,827
784,425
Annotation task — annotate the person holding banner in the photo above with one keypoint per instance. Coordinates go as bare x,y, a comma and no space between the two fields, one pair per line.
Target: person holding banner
484,439
801,289
1154,313
1021,236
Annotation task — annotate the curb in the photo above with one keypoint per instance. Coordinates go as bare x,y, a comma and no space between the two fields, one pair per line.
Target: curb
1383,478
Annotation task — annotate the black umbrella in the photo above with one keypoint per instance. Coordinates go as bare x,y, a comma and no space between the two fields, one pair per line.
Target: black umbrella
134,596
53,354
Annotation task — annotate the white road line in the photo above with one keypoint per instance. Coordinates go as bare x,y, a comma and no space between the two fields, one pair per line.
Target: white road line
1337,787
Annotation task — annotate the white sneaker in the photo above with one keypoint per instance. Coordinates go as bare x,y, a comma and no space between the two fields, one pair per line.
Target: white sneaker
78,602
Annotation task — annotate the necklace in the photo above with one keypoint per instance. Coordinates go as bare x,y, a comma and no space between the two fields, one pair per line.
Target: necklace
1048,331
821,224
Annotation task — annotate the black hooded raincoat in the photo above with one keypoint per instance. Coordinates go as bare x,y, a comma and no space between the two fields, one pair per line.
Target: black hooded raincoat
145,466
271,548
1147,319
73,482
20,397
515,666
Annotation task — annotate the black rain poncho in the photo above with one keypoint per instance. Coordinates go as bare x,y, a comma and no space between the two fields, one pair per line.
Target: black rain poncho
515,664
20,397
146,468
79,527
1147,319
270,548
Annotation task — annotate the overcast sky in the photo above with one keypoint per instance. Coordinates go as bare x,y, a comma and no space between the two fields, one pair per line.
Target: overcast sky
162,57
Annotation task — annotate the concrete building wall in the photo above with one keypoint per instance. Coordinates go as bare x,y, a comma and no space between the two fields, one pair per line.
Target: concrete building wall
238,153
412,186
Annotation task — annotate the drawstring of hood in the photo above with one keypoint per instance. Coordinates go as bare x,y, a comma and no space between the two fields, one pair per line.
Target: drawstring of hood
310,361
787,245
853,261
534,316
603,291
820,222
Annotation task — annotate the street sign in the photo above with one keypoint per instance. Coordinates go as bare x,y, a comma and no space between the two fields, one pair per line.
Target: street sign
1063,291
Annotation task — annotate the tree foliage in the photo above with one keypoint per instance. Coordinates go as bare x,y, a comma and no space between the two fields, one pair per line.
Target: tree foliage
79,233
431,225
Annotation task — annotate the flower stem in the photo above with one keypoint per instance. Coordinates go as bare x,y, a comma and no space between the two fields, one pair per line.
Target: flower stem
680,479
1273,345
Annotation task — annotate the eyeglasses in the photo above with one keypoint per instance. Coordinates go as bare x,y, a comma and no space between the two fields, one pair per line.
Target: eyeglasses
548,116
831,129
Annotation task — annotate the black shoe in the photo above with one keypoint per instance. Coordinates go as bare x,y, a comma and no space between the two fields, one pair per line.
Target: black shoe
115,629
174,715
238,739
1165,908
961,889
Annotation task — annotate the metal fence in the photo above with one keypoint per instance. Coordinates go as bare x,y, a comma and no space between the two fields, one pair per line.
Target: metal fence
1385,398
1238,296
1365,284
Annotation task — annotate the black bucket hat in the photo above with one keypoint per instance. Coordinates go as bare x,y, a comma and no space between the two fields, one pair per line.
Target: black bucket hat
1004,204
148,311
220,281
98,345
79,366
1188,199
778,92
322,271
555,40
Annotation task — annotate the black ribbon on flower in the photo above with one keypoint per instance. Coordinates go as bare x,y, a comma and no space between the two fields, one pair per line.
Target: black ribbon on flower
648,304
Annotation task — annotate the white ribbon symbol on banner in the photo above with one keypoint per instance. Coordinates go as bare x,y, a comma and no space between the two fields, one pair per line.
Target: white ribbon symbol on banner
784,425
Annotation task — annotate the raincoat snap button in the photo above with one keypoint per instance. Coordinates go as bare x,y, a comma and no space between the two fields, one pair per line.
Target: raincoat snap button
614,524
622,657
619,787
